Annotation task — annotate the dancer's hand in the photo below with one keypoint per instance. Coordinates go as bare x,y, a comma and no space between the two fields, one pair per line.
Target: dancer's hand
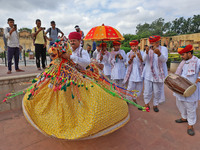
66,56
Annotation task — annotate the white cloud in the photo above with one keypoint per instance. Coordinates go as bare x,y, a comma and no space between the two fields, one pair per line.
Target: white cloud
123,15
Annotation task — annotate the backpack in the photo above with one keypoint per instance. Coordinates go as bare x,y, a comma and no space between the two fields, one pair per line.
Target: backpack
5,39
50,31
36,35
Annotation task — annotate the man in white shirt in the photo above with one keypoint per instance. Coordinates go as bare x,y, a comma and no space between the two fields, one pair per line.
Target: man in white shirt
79,55
89,48
117,60
97,51
135,68
103,58
12,37
189,68
154,72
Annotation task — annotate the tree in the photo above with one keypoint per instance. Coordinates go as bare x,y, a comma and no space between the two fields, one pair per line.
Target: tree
195,24
142,28
26,29
157,27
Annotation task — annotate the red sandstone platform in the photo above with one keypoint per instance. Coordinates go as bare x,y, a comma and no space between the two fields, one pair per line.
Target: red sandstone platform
145,131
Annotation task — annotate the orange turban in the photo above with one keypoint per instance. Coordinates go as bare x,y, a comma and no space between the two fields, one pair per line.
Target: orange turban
116,43
133,43
75,35
154,38
184,49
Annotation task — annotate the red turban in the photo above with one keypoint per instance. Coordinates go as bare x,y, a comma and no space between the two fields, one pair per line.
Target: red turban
184,49
103,45
133,43
116,43
154,38
75,35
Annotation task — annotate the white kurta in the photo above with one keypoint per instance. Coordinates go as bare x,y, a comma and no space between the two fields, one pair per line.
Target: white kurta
192,78
135,81
135,75
118,65
80,57
188,105
106,63
150,84
13,39
147,73
95,53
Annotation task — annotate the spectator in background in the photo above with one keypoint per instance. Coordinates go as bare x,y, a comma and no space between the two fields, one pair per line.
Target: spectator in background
39,40
93,47
53,32
97,51
12,37
82,34
89,48
20,52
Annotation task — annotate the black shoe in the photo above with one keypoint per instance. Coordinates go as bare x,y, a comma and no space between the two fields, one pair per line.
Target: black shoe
180,120
190,132
155,108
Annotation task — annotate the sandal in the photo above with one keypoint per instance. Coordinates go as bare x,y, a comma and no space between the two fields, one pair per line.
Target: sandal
180,120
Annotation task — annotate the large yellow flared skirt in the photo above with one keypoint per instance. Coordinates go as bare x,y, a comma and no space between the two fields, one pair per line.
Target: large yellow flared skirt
77,113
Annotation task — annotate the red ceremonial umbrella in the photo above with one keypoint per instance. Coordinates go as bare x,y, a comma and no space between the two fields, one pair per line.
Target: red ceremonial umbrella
105,33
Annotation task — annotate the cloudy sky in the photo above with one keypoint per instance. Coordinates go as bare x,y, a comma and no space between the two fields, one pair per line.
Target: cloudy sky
123,15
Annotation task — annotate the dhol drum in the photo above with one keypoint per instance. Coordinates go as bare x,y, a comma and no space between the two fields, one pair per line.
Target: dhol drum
180,85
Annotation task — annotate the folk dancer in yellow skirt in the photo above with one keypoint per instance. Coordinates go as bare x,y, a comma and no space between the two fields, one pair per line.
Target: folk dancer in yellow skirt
68,101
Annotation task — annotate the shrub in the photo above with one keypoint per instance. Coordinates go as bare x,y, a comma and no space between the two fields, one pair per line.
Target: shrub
126,49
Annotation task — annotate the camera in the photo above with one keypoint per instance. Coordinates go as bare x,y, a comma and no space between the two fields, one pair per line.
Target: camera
15,26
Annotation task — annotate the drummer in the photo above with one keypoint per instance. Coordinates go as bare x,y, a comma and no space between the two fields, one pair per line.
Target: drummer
154,72
189,68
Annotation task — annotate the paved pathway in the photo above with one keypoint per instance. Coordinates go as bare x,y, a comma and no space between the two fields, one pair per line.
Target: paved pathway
145,131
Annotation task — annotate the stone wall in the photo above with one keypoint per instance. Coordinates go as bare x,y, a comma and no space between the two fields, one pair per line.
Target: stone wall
174,42
13,84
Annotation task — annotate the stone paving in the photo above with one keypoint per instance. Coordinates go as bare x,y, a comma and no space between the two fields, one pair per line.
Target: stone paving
144,131
29,68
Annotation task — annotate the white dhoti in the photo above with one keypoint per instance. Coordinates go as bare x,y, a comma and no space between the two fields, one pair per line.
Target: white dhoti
155,88
188,110
135,86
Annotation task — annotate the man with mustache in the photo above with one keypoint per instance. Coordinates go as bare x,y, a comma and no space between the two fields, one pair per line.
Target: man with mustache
79,55
135,68
103,58
117,60
154,72
189,68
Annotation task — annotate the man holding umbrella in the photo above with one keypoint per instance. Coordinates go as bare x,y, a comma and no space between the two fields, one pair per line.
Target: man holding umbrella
117,60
